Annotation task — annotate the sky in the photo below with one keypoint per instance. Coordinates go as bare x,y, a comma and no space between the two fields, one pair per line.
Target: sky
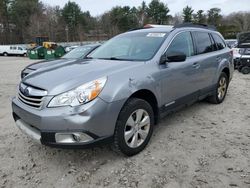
98,7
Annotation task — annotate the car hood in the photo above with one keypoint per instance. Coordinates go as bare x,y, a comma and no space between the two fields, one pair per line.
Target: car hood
60,78
43,64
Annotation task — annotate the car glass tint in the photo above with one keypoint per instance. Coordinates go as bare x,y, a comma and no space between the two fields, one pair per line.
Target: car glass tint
214,46
247,51
203,42
219,42
182,43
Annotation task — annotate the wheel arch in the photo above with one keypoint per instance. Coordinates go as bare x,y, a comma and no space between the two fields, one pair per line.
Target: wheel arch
226,71
150,97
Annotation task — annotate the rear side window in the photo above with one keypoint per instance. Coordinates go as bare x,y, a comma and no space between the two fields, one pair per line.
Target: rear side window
203,42
182,43
219,42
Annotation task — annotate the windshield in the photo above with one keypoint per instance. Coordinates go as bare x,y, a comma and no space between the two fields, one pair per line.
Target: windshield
78,52
131,47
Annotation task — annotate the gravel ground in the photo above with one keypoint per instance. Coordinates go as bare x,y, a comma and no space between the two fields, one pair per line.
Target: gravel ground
203,145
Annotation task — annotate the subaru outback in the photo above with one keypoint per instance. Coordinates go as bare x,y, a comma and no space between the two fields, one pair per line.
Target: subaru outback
123,88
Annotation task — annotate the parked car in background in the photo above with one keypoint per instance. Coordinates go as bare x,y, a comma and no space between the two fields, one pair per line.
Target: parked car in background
242,51
78,53
7,50
69,48
244,63
231,43
119,93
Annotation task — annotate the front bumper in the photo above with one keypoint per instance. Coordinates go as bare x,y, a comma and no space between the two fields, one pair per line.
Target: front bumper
96,119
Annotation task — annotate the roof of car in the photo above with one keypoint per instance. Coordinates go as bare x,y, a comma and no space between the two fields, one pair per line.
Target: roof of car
166,30
92,45
89,45
180,27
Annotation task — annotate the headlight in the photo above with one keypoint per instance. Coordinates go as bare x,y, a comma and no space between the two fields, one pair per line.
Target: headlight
80,95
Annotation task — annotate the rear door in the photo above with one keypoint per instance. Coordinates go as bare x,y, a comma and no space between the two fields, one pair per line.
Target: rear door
206,58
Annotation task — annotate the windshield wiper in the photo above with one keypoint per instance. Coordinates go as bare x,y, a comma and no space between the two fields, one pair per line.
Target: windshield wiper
117,58
88,57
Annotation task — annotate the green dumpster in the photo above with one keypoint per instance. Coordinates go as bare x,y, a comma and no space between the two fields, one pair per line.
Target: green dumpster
59,51
49,54
36,53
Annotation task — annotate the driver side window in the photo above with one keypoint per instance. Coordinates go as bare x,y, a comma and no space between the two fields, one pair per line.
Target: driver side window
182,43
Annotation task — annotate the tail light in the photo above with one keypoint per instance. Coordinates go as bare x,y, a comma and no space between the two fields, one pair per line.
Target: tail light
231,52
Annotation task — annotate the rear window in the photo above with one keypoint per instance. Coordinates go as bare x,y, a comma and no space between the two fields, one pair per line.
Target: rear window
203,42
219,41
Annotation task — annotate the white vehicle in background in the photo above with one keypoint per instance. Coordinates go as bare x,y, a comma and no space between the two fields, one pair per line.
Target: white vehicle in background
7,50
233,43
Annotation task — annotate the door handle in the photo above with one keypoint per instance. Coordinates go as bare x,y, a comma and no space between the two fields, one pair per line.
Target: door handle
196,65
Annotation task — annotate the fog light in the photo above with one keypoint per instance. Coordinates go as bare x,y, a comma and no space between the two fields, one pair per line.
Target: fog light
69,138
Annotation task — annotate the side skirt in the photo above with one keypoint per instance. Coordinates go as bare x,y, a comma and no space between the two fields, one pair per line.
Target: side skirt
185,101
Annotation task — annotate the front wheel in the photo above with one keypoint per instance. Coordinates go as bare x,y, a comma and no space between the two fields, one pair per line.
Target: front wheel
221,89
134,127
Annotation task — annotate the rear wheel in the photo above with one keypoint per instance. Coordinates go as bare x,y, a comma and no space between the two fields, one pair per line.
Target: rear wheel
245,70
221,90
134,127
5,54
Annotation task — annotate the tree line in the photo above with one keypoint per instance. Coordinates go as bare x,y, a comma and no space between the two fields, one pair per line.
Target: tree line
22,20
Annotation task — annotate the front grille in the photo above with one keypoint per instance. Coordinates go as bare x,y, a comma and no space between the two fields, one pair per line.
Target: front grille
33,101
31,96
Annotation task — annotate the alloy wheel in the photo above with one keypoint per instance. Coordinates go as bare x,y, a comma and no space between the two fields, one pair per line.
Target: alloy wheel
137,128
222,88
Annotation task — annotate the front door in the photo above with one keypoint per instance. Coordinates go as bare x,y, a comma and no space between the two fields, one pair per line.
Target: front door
180,80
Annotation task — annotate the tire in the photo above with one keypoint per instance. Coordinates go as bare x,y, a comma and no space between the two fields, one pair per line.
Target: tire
24,55
245,70
239,68
5,54
138,135
221,90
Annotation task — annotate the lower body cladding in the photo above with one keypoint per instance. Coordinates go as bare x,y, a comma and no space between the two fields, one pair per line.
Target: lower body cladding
68,127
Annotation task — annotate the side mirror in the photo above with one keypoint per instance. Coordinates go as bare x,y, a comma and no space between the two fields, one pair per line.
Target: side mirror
163,59
176,57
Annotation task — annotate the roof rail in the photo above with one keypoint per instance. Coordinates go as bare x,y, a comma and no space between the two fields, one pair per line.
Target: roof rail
203,26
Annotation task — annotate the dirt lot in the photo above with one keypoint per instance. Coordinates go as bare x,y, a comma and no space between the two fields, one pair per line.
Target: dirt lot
201,146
